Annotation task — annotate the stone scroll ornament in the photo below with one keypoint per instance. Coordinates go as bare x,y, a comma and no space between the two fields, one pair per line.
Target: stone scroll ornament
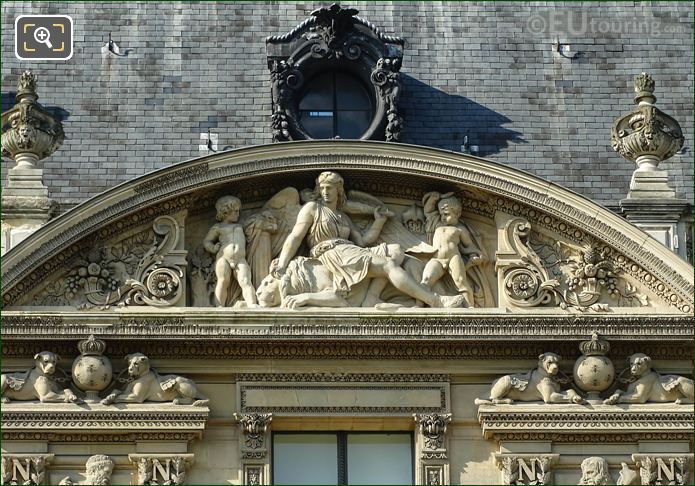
140,270
98,470
38,383
539,273
645,385
542,384
146,385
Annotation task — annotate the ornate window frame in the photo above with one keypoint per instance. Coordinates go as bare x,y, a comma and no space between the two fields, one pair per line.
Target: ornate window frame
335,39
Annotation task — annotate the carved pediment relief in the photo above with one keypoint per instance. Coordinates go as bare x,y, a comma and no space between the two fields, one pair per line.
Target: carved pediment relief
394,238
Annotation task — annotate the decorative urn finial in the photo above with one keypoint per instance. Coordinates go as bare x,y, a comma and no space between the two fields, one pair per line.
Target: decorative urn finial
593,371
646,136
29,132
92,372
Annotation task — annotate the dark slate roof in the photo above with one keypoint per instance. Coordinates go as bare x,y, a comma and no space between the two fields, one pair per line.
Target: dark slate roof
478,69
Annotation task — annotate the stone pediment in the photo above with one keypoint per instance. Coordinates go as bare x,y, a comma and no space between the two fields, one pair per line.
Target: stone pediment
527,245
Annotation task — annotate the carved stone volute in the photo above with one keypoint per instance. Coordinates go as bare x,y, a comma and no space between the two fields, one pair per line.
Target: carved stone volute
29,132
647,135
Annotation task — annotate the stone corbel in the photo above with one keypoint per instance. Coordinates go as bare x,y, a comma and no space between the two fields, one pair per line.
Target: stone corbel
664,468
253,440
432,466
161,468
526,468
25,468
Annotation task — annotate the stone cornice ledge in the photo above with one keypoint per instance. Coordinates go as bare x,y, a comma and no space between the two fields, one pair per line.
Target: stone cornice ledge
515,421
473,324
29,418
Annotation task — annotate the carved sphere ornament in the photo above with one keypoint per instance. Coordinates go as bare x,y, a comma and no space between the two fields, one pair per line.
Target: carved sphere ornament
593,371
92,372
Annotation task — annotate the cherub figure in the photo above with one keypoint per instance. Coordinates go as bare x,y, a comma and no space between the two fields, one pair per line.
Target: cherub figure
451,240
227,240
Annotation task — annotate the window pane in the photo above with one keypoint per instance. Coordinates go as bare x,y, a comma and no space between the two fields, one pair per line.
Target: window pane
352,124
350,94
305,459
319,94
379,459
318,124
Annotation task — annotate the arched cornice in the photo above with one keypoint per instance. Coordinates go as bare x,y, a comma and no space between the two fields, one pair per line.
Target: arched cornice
21,263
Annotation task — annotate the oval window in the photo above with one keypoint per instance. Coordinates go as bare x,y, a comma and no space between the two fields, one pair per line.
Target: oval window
335,105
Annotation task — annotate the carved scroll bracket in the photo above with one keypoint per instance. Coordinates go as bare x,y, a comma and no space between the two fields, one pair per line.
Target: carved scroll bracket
161,468
664,468
25,468
253,440
432,467
526,468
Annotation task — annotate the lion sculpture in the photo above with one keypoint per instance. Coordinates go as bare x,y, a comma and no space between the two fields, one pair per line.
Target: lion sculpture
37,383
543,383
646,385
147,385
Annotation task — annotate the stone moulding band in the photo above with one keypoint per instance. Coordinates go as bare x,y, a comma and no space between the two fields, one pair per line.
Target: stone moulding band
517,420
24,260
256,326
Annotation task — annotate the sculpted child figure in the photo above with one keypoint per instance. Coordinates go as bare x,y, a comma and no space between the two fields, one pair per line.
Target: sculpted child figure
451,240
227,240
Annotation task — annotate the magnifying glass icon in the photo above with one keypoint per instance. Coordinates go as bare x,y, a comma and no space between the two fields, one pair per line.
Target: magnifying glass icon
43,36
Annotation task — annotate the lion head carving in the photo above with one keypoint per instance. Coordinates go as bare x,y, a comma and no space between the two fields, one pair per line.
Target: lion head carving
46,362
549,362
138,364
640,364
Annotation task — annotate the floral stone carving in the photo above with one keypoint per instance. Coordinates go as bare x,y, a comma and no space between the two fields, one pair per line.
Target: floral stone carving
25,468
658,469
544,383
432,428
131,272
540,272
253,427
646,385
147,385
529,469
161,468
37,383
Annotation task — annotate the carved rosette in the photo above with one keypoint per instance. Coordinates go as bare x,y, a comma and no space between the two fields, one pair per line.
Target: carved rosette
335,38
29,132
646,136
524,280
